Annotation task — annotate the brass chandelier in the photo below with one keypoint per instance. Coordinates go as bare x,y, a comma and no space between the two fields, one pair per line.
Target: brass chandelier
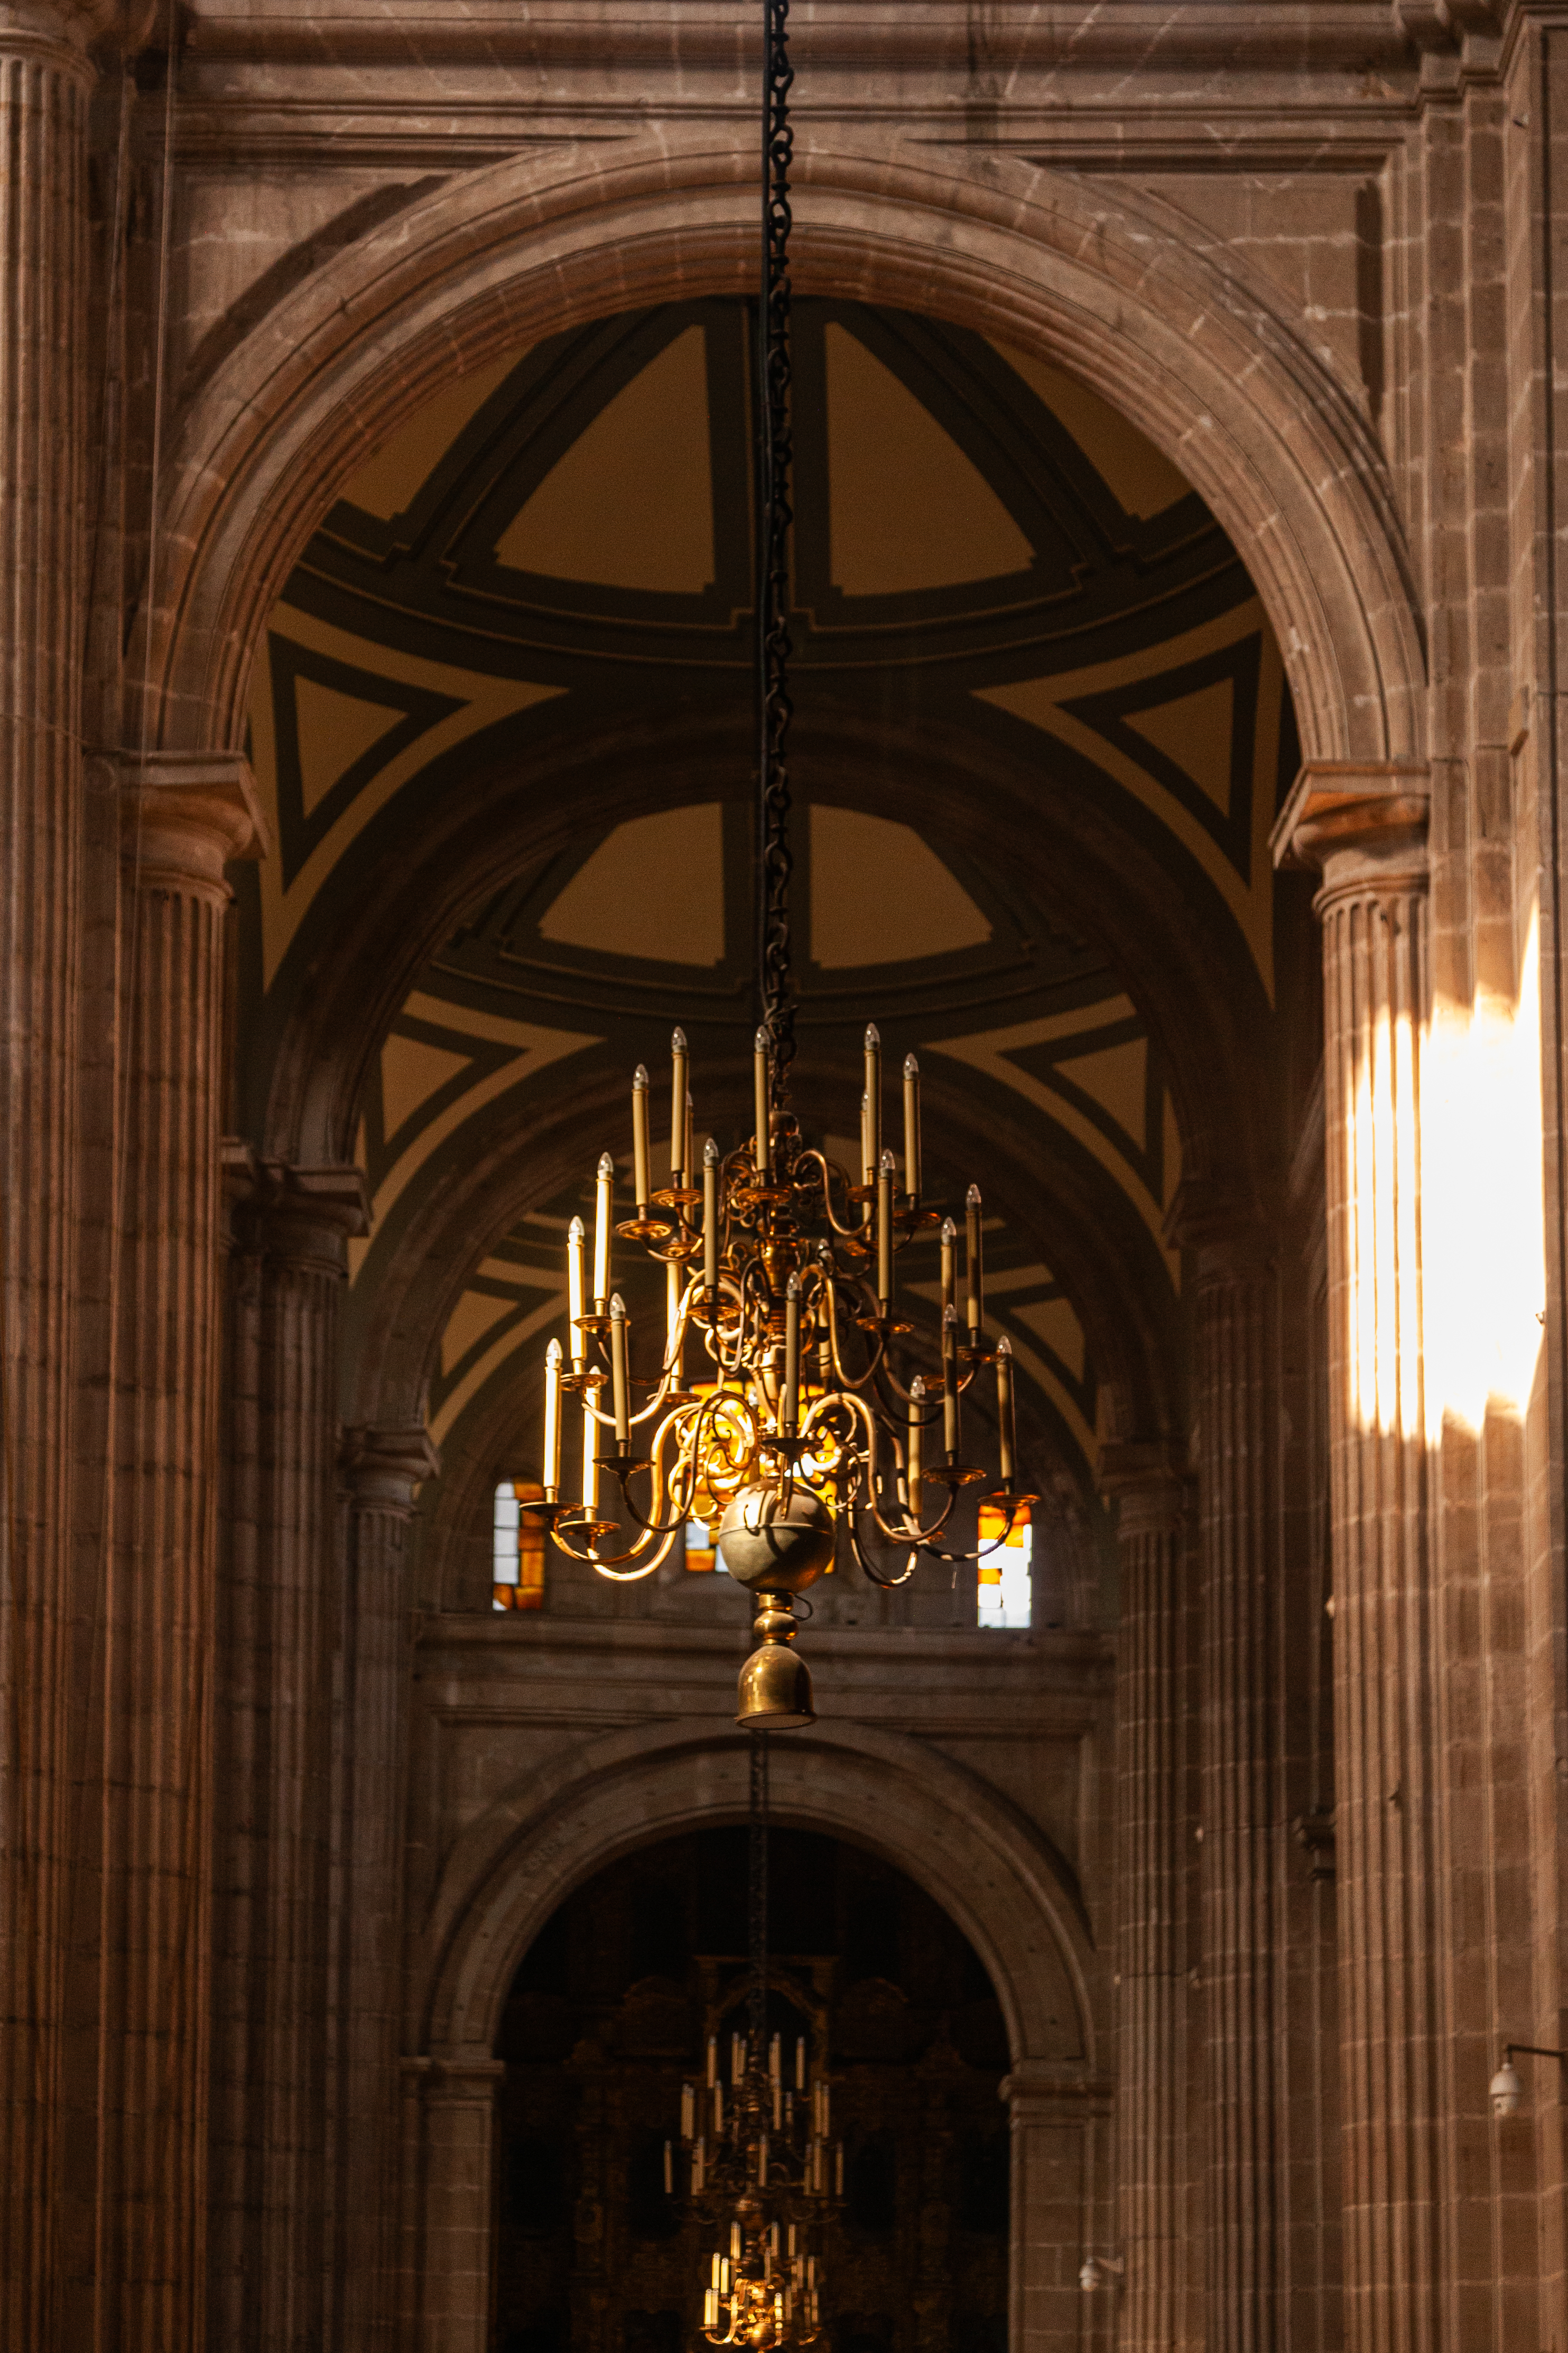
777,1409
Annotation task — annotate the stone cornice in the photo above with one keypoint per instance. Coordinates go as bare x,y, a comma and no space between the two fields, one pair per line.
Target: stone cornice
186,816
1362,823
1013,35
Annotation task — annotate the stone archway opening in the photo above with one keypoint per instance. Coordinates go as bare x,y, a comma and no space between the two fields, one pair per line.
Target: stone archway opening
609,2010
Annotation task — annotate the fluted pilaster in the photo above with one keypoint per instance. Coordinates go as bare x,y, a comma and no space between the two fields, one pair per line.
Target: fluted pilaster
1366,829
1151,1836
184,818
43,112
1235,1387
277,1897
382,1470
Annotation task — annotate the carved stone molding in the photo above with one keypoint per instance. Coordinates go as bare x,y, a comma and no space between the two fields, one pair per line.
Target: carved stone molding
387,1468
186,816
300,1216
1363,823
1151,1485
63,30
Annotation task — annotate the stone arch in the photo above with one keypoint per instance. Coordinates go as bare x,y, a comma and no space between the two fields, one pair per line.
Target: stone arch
1014,1897
954,1836
1192,355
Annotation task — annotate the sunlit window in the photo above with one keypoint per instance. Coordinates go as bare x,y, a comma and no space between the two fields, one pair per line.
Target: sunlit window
699,1551
520,1540
1004,1584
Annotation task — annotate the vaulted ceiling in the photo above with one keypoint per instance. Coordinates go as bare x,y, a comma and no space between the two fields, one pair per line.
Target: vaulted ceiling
536,601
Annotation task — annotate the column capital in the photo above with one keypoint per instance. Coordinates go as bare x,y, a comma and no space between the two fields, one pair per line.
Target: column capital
1221,1218
1054,2091
68,27
185,816
300,1217
1362,823
387,1467
1151,1485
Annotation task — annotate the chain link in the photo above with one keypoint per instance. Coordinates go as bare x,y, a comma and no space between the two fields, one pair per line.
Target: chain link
775,518
757,1905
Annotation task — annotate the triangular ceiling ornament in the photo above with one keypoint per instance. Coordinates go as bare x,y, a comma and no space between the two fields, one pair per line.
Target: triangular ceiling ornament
653,889
412,1071
335,728
1117,1079
908,509
918,909
1196,732
630,504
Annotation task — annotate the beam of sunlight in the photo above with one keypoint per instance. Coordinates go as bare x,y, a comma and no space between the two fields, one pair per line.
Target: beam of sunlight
1482,1207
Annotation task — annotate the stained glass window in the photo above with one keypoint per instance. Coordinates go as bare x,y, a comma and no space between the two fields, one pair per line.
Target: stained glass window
1003,1578
518,1553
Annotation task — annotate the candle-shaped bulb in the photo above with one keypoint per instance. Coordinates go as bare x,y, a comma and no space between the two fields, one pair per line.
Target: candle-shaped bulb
639,1137
762,1076
1007,1434
552,1420
949,1231
950,1382
973,1278
605,1185
915,1443
790,1381
574,1239
884,1233
871,1126
679,1099
912,1127
710,1225
619,1385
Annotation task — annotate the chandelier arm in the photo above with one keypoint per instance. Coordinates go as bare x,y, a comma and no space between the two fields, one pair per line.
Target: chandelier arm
609,1568
981,1552
850,1385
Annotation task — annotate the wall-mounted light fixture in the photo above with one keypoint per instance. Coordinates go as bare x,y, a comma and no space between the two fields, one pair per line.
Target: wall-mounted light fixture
1101,2271
1506,2089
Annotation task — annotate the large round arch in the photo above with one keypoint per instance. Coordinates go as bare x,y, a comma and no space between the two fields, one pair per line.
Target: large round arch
990,1870
1190,353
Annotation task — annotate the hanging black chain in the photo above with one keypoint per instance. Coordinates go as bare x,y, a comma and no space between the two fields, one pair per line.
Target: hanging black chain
757,1893
774,517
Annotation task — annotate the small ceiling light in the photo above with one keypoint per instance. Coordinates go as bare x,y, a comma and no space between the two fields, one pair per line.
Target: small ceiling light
1506,2089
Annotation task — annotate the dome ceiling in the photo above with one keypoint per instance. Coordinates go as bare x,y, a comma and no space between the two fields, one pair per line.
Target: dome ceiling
558,549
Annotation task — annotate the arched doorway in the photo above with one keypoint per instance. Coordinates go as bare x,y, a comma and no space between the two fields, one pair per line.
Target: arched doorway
610,2009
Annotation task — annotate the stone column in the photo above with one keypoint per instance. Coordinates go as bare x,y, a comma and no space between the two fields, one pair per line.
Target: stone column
458,2169
384,1470
1367,830
1236,1401
185,816
44,79
1152,1832
1061,2210
273,2231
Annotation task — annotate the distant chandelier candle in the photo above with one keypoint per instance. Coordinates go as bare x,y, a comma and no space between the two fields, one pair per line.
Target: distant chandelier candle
808,1423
